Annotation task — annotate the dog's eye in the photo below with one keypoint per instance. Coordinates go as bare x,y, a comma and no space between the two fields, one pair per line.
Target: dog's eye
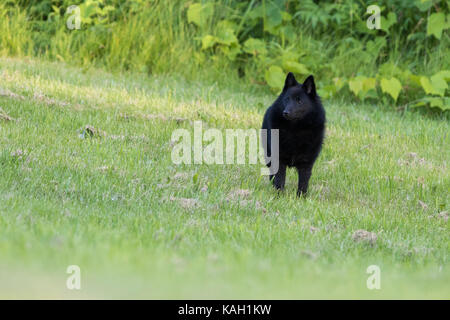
298,100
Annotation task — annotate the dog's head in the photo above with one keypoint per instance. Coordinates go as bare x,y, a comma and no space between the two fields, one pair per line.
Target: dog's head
298,100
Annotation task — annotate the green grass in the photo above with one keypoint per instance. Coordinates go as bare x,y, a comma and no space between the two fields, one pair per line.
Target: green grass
110,204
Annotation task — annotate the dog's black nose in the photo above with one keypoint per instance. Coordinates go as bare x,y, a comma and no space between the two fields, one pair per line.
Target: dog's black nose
285,114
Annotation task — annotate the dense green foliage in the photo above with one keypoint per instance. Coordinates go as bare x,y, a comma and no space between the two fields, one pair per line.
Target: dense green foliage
406,61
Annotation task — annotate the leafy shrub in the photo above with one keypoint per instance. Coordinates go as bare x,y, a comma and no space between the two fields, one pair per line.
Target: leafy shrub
405,62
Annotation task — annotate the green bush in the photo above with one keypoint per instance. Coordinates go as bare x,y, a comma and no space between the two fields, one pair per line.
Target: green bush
405,62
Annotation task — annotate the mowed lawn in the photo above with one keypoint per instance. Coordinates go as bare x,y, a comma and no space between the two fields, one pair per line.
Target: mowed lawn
140,226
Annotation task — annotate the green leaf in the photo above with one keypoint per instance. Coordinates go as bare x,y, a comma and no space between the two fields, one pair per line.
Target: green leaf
208,41
273,18
275,77
360,85
436,85
386,23
391,86
356,85
423,5
199,14
255,47
426,85
194,14
436,24
292,66
226,33
286,16
439,84
437,102
441,103
444,74
226,37
368,84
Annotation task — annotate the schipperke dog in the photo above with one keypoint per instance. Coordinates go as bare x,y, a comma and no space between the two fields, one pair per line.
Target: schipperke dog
299,116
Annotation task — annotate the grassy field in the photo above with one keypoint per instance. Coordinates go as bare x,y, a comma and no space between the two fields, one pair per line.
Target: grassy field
141,227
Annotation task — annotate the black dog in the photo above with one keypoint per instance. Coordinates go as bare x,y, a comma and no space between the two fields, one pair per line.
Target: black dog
300,118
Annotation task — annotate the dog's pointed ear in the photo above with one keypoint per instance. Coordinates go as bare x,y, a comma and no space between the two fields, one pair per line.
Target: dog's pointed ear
310,86
290,81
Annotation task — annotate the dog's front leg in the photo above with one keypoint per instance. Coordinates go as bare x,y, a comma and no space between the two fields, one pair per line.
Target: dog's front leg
280,177
304,173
